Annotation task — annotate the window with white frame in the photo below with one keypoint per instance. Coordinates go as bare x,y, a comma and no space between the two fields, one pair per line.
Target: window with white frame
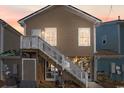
51,72
84,37
51,36
36,32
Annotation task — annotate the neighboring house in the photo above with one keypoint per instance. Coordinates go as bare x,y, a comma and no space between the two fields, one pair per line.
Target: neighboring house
109,59
65,28
9,50
9,37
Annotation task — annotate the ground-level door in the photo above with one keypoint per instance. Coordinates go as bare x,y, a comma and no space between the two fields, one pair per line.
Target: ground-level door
29,69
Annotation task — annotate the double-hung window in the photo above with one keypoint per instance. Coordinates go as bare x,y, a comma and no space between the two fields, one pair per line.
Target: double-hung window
84,37
51,36
51,72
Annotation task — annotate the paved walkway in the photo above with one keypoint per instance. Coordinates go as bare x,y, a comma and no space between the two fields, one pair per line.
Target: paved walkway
94,85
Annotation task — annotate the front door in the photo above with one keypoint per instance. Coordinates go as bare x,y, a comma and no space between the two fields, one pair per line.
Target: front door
29,69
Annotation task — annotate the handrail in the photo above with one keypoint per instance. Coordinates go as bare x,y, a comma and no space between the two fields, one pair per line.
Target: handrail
38,43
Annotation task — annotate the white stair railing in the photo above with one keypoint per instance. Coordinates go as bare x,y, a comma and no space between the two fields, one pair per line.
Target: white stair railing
34,42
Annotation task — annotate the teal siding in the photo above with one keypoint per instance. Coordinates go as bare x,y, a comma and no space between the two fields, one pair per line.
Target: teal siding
110,31
104,65
122,38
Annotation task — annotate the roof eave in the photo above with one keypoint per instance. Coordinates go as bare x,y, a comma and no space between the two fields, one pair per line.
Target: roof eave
22,21
90,17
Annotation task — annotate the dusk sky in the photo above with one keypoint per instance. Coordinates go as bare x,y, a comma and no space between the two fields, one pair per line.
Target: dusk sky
11,14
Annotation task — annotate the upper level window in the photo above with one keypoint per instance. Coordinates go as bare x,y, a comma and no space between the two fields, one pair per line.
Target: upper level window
51,36
84,37
36,32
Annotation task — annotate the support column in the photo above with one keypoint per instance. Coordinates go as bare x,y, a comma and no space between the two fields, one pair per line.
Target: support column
1,38
1,69
95,69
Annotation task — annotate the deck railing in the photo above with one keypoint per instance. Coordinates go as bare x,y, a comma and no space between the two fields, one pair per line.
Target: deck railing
34,42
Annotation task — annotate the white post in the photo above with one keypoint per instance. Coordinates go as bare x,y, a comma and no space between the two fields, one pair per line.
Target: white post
24,29
94,33
22,71
86,79
95,68
63,64
35,69
21,43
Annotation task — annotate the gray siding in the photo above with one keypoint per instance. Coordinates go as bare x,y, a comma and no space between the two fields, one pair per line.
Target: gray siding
67,25
122,38
111,33
11,39
0,38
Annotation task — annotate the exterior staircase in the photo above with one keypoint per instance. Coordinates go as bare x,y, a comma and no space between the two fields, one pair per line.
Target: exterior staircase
34,42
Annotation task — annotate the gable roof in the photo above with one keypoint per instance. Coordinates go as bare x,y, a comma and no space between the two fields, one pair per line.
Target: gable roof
94,19
5,24
113,22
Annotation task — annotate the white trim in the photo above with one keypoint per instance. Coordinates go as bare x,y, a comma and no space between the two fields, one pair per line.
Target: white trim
23,67
82,30
2,38
50,30
84,15
35,70
21,42
48,79
94,34
81,13
86,80
22,21
24,29
119,50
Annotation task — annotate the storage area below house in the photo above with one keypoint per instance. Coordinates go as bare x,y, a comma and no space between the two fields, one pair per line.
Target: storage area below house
109,69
